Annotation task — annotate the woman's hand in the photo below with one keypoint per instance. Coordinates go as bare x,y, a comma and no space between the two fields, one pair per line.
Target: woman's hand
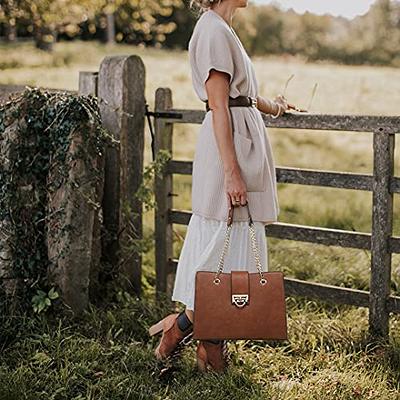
281,100
271,107
235,188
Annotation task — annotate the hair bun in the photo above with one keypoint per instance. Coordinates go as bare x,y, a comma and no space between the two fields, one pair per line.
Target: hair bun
202,5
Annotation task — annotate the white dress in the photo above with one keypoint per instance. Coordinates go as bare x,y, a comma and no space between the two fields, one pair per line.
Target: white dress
202,248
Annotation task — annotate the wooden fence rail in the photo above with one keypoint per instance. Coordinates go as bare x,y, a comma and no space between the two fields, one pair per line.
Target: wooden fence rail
382,183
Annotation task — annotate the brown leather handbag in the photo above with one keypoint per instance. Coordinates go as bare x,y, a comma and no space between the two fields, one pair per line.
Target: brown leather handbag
240,304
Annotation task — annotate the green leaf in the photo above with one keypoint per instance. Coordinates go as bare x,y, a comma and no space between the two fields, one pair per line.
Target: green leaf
53,294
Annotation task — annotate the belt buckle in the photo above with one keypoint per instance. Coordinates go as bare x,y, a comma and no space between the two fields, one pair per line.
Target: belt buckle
253,101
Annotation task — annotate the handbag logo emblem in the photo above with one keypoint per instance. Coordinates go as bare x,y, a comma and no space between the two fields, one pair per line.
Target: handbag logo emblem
240,300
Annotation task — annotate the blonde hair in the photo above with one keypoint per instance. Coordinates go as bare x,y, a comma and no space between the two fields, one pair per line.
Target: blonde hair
203,5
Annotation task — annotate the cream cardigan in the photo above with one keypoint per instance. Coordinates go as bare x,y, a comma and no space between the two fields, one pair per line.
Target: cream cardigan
214,44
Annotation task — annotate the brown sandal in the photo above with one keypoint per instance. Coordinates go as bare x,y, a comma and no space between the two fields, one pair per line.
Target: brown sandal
213,355
172,337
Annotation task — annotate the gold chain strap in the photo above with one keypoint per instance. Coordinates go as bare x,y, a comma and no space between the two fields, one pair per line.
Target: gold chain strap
254,246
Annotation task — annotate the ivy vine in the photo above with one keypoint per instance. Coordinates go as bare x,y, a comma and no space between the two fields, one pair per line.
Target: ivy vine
37,129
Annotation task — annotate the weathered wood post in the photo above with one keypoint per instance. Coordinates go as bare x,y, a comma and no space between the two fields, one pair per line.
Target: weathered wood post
88,82
121,85
163,195
382,226
71,272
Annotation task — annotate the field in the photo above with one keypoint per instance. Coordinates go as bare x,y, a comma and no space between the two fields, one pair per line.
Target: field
107,355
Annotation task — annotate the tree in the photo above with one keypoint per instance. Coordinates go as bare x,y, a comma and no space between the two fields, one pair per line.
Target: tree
382,31
9,14
147,21
311,35
260,29
47,18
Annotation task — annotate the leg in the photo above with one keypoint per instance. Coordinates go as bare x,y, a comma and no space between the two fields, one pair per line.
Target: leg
189,314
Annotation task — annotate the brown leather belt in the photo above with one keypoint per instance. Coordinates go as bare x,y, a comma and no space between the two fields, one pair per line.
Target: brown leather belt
240,101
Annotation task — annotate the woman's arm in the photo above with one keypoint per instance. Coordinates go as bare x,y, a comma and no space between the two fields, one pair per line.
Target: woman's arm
217,88
268,106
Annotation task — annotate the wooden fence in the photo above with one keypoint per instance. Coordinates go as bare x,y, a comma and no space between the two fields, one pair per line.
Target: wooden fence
107,244
382,183
106,247
119,86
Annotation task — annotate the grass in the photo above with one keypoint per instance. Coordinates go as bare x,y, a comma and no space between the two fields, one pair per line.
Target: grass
107,354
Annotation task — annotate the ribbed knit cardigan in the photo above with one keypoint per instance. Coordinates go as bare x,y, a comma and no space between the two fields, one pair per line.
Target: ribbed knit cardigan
214,44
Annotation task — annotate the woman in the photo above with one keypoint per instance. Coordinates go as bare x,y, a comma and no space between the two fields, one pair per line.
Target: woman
233,164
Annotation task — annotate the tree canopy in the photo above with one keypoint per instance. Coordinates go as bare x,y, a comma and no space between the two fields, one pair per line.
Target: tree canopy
370,38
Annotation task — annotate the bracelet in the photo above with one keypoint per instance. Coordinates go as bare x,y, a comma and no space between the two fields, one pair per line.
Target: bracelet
277,114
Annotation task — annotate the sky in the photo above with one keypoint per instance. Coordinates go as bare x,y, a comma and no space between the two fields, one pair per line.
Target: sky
346,8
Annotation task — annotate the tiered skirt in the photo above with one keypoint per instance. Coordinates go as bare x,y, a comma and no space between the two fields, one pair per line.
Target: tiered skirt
202,248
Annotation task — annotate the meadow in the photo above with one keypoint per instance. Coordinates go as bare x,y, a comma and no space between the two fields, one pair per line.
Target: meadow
107,354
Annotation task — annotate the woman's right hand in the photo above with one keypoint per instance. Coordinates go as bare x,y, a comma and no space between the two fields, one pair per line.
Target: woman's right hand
235,188
280,99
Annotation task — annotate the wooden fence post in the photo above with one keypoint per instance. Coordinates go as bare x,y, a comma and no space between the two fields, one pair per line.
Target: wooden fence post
382,226
88,82
122,101
163,195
